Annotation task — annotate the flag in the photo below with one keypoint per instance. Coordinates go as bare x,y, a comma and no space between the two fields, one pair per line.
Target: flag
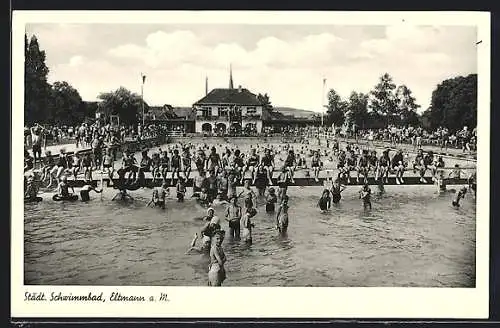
143,78
324,81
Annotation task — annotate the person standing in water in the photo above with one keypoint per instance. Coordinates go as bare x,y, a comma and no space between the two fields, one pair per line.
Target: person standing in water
247,225
336,191
458,196
233,217
85,191
365,195
271,200
325,201
216,270
282,216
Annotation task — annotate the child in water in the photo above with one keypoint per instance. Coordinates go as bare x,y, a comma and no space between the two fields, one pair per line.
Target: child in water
246,225
365,195
271,199
325,201
181,189
282,215
85,191
459,195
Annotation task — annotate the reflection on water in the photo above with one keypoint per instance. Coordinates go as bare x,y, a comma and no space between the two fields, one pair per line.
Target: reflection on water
411,237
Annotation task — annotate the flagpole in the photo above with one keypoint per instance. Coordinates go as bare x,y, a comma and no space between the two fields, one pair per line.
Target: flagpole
323,100
142,98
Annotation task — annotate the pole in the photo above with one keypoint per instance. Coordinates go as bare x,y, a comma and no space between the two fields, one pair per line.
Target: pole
142,103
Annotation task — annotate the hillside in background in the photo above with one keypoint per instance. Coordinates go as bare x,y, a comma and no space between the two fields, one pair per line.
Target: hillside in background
295,112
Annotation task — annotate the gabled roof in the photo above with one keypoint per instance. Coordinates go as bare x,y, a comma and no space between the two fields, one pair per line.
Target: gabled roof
230,97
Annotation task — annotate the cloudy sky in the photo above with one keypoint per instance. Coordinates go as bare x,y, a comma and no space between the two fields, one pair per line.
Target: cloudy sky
288,62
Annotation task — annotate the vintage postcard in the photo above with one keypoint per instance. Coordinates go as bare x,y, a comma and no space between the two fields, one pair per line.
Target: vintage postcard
309,164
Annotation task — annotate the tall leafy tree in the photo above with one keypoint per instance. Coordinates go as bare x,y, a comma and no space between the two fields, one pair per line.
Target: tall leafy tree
454,103
382,99
264,100
36,88
336,109
357,110
65,104
406,106
124,103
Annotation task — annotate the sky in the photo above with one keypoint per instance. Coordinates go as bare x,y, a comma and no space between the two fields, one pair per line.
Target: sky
288,62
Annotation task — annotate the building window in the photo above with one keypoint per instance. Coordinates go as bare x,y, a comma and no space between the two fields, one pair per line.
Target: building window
251,110
205,112
223,111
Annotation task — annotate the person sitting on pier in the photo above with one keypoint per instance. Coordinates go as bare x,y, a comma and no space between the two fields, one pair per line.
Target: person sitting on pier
362,167
186,163
271,200
85,191
48,166
155,166
175,164
316,165
383,167
87,167
251,165
372,161
456,173
267,161
181,189
341,165
325,201
108,164
365,196
397,164
128,165
75,164
164,164
350,164
290,164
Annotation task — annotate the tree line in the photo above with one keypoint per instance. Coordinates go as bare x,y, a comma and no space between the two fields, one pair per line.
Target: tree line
60,103
453,104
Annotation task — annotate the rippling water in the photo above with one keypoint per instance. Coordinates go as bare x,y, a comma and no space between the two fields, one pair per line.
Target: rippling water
411,237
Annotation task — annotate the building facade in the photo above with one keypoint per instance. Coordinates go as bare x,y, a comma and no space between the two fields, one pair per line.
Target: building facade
228,111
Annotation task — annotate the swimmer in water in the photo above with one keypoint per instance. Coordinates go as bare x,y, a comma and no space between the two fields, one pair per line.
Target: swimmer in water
216,271
325,201
31,192
159,196
336,191
233,217
247,225
365,195
271,200
85,191
459,195
282,215
63,188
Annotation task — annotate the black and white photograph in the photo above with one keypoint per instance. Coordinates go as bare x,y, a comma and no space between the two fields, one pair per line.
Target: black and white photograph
237,153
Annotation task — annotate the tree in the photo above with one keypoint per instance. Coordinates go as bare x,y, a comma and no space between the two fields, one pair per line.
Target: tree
406,106
36,88
125,104
64,104
357,109
454,103
382,100
264,100
336,109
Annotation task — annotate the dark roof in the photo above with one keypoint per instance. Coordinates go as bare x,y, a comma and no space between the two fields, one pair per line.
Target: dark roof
229,96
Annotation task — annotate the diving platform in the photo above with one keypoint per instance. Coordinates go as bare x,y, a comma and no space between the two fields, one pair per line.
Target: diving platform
147,182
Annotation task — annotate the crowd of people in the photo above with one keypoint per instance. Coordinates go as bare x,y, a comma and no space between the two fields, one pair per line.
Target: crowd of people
222,169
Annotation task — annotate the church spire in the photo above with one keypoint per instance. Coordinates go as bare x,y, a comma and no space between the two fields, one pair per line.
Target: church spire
230,76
